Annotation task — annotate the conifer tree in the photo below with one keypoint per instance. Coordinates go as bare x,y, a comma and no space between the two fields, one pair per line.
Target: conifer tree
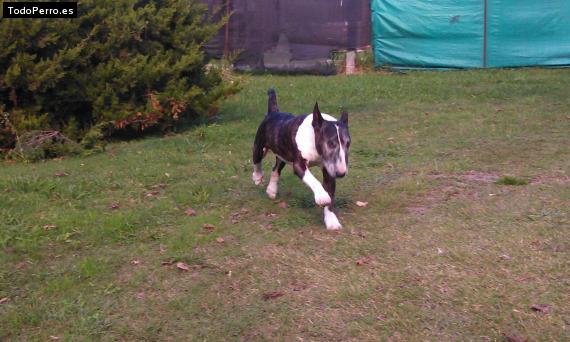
130,63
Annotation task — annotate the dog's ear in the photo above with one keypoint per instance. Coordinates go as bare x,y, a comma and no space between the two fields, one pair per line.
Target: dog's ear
317,117
344,117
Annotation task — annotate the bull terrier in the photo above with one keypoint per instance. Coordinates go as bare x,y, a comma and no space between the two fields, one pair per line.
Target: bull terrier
303,141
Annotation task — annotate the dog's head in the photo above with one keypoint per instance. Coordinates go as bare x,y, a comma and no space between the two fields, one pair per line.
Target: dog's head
333,142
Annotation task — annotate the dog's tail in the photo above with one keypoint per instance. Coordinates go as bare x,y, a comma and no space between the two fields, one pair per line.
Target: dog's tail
272,101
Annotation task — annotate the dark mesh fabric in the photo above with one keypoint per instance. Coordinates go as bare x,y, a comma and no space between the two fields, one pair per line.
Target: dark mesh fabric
291,35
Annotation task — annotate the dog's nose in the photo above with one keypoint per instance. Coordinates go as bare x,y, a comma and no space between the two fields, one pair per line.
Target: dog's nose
340,174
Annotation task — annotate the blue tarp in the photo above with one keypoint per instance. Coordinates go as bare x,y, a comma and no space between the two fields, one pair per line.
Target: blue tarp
470,33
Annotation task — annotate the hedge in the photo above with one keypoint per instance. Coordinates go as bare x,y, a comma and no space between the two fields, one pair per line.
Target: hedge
131,65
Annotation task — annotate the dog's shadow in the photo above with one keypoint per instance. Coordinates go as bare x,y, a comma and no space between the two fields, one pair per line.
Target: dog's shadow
297,195
306,200
302,202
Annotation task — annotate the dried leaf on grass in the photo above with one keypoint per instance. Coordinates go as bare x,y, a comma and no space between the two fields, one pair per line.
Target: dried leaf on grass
152,193
505,256
514,338
182,266
298,287
159,186
49,226
542,308
190,212
273,295
235,217
363,261
208,227
361,204
358,233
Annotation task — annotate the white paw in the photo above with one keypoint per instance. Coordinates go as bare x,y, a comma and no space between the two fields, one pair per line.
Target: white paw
331,221
334,225
257,178
271,190
322,198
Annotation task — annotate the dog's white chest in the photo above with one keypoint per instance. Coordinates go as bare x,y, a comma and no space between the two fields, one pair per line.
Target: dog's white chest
305,139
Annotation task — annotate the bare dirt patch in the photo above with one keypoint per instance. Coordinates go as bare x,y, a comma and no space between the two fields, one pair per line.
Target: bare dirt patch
471,176
438,195
467,185
452,186
550,180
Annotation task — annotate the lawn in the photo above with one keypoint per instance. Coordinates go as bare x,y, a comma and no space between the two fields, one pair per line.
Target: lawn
467,179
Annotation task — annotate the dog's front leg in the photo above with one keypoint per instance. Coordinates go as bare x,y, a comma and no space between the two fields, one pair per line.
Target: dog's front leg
331,221
259,152
322,198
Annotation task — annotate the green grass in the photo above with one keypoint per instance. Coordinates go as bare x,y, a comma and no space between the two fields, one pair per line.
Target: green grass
450,254
511,180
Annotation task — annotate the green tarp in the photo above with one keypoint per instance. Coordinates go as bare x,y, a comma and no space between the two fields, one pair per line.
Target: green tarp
470,33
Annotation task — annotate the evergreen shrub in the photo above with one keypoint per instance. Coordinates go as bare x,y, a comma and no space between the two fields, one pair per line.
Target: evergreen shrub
130,66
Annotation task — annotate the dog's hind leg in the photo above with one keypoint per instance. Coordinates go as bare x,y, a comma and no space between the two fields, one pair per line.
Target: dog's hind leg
331,221
259,152
322,198
273,182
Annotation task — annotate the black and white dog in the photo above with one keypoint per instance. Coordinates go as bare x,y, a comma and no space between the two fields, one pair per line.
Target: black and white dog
304,141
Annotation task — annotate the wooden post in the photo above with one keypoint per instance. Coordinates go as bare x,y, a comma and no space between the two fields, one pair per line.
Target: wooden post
350,65
227,31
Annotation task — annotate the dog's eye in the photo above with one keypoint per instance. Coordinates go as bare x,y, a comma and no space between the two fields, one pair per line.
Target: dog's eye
330,144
